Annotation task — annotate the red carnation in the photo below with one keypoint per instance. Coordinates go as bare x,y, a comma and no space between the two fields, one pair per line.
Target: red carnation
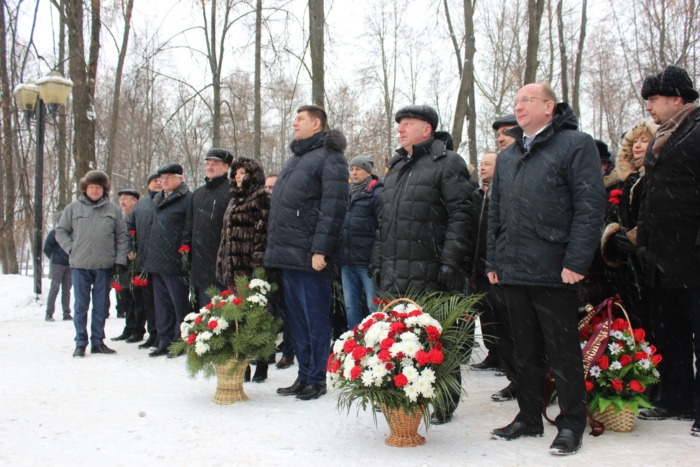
220,304
359,352
209,306
603,362
116,286
616,384
398,327
625,360
652,349
191,338
619,325
384,355
349,346
636,386
212,324
184,249
225,293
656,359
639,335
433,333
415,313
438,345
422,357
400,380
367,324
198,319
589,386
386,343
378,316
389,366
435,356
132,233
380,301
355,372
237,301
638,356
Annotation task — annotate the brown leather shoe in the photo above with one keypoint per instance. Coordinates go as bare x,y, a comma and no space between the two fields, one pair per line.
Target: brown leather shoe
284,363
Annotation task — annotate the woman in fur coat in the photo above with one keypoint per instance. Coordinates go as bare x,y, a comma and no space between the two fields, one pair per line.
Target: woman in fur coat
244,232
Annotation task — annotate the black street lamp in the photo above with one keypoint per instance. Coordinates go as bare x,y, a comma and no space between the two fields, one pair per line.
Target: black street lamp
41,100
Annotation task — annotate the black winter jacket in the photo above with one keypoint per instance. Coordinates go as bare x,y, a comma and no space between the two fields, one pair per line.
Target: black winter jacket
547,205
669,223
54,251
361,224
165,236
426,218
139,222
308,203
203,224
479,231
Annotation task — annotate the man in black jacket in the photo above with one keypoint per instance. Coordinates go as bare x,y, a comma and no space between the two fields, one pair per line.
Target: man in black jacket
163,262
545,216
668,240
205,218
60,273
306,214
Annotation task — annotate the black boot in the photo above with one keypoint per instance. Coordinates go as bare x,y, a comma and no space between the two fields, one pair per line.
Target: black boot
150,342
260,372
246,377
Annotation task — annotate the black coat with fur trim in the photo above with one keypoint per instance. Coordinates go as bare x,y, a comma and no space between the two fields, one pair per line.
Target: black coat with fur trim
205,218
308,203
244,233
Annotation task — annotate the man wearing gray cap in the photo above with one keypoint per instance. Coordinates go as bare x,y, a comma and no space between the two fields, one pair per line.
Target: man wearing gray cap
204,221
163,263
668,241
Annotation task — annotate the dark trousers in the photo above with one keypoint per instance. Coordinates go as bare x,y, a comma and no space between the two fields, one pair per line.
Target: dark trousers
171,297
61,278
90,284
545,332
307,298
675,329
497,333
126,305
144,310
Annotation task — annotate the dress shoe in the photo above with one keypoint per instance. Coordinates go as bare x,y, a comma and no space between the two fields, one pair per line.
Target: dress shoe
659,413
49,319
79,351
312,391
158,353
271,359
284,363
566,443
490,363
260,372
120,337
292,390
173,355
695,430
101,349
67,317
134,339
517,429
506,394
150,342
438,418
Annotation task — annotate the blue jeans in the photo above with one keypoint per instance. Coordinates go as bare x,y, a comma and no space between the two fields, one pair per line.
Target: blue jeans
355,282
88,282
307,298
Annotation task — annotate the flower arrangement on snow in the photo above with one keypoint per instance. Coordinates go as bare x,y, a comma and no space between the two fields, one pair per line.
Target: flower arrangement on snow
406,356
232,326
626,368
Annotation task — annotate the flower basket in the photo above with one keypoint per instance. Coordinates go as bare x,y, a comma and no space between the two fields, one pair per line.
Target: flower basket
404,427
622,421
403,359
229,382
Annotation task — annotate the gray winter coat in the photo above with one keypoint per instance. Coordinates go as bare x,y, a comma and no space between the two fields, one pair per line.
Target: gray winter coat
547,205
93,234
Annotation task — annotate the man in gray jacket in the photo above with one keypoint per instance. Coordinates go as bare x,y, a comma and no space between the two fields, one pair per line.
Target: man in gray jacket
91,230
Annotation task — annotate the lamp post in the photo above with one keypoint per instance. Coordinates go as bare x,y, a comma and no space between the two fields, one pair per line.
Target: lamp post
49,91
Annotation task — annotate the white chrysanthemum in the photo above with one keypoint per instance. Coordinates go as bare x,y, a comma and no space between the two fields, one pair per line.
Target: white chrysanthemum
411,392
615,348
425,387
410,373
645,347
332,380
379,372
655,372
368,378
428,374
377,333
346,335
201,348
185,330
400,308
191,316
204,336
258,299
409,336
338,346
595,371
264,286
221,324
615,366
619,335
411,347
646,363
215,299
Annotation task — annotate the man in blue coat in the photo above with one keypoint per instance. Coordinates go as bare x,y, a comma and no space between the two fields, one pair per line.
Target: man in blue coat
306,214
545,216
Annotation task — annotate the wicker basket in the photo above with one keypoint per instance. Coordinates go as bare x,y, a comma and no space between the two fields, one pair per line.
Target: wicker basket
229,382
404,427
622,421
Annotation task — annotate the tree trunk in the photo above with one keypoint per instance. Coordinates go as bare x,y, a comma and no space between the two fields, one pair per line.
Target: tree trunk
61,128
562,53
465,108
257,111
579,60
114,123
535,8
316,41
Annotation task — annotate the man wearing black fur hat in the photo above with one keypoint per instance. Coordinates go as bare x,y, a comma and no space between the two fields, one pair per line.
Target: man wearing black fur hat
205,220
306,214
668,241
424,243
91,230
163,261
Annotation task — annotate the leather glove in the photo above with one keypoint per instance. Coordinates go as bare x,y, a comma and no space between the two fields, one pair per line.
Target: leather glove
623,245
451,279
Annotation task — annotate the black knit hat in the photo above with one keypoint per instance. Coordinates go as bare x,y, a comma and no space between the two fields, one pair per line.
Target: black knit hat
673,81
506,120
152,176
421,112
130,192
220,155
171,168
95,177
603,151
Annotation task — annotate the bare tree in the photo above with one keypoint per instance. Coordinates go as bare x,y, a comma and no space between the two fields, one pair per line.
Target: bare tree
257,104
535,9
575,96
317,20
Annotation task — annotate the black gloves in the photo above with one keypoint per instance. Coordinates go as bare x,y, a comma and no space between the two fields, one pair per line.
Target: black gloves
451,279
623,245
119,269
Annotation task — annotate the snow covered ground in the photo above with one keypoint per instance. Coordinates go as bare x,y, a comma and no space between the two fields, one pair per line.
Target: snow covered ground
129,409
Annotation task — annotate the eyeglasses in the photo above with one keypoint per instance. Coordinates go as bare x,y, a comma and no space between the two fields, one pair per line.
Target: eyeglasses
527,100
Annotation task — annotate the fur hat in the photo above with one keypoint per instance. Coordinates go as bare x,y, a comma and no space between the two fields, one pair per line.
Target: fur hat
362,162
171,168
673,81
152,176
254,180
95,177
603,151
506,120
220,155
421,112
130,192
